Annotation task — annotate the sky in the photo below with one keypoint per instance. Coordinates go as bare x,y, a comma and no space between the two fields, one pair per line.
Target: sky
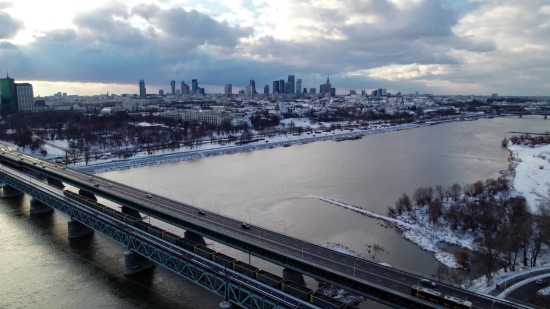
431,46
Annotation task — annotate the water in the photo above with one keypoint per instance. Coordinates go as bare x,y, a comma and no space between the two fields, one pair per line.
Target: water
278,189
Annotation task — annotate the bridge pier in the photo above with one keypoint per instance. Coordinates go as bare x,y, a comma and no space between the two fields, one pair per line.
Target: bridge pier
545,116
194,237
129,211
294,276
87,194
37,207
520,115
8,191
55,182
77,229
135,263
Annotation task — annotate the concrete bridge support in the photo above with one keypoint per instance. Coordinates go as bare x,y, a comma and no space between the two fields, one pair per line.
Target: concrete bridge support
8,191
55,182
77,229
194,237
135,263
37,207
545,116
520,115
129,211
87,194
294,276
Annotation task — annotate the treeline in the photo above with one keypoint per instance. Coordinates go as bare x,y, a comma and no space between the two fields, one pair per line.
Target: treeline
507,232
527,139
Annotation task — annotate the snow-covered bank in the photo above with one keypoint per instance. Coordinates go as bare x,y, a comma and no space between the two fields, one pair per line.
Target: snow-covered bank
205,151
532,173
423,235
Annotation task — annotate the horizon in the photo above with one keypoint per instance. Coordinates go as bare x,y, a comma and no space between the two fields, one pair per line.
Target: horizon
431,46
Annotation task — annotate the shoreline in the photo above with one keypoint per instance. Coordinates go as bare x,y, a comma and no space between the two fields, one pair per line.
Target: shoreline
109,165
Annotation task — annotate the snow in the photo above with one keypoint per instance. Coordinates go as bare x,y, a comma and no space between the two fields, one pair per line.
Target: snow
386,264
544,292
420,233
209,150
339,248
530,180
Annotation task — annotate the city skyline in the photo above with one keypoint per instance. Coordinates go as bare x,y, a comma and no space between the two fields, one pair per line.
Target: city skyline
430,46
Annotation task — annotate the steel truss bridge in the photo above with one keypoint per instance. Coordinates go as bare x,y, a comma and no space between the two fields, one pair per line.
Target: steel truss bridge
224,282
371,280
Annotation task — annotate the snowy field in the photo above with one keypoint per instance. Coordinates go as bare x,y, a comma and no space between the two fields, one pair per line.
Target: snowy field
530,180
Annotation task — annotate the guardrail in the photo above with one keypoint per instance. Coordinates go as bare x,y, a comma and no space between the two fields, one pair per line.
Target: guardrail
510,289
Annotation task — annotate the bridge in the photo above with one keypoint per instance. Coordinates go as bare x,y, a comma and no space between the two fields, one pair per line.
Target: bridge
379,283
527,113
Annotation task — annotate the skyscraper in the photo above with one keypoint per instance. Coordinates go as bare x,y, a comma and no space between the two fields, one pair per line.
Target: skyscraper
8,94
184,88
253,84
25,97
288,88
312,90
142,90
363,93
173,87
282,86
276,86
291,82
325,89
384,92
229,89
194,86
201,91
266,89
298,86
161,92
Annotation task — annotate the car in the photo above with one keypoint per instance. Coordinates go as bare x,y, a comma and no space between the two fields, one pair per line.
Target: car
245,226
91,177
63,168
149,195
44,166
34,163
540,282
96,185
429,283
110,185
202,212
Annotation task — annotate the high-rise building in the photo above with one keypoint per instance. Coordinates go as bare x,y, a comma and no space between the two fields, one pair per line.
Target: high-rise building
291,82
312,90
161,92
416,93
8,95
298,86
363,93
253,84
173,87
184,88
178,92
282,86
249,91
325,89
305,90
352,92
229,89
25,97
142,90
288,88
201,91
266,89
194,86
276,86
375,93
332,92
384,92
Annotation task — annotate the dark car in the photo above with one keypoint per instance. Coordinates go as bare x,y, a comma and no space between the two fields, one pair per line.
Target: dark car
428,283
245,226
202,212
96,185
540,282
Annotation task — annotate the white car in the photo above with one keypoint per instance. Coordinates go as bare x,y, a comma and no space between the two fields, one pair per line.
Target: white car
428,283
110,185
149,195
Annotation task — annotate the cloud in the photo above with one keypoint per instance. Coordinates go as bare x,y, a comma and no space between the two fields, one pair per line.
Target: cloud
9,26
5,5
433,46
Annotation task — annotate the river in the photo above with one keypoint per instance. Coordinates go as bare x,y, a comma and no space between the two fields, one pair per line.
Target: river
277,189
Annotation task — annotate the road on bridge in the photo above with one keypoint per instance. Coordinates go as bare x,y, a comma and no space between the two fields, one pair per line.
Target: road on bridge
389,278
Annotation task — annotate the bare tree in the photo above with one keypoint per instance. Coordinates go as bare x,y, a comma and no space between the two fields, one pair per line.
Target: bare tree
487,257
403,203
454,191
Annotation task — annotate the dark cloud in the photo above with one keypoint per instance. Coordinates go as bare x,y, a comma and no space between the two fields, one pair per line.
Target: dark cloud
7,45
9,26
